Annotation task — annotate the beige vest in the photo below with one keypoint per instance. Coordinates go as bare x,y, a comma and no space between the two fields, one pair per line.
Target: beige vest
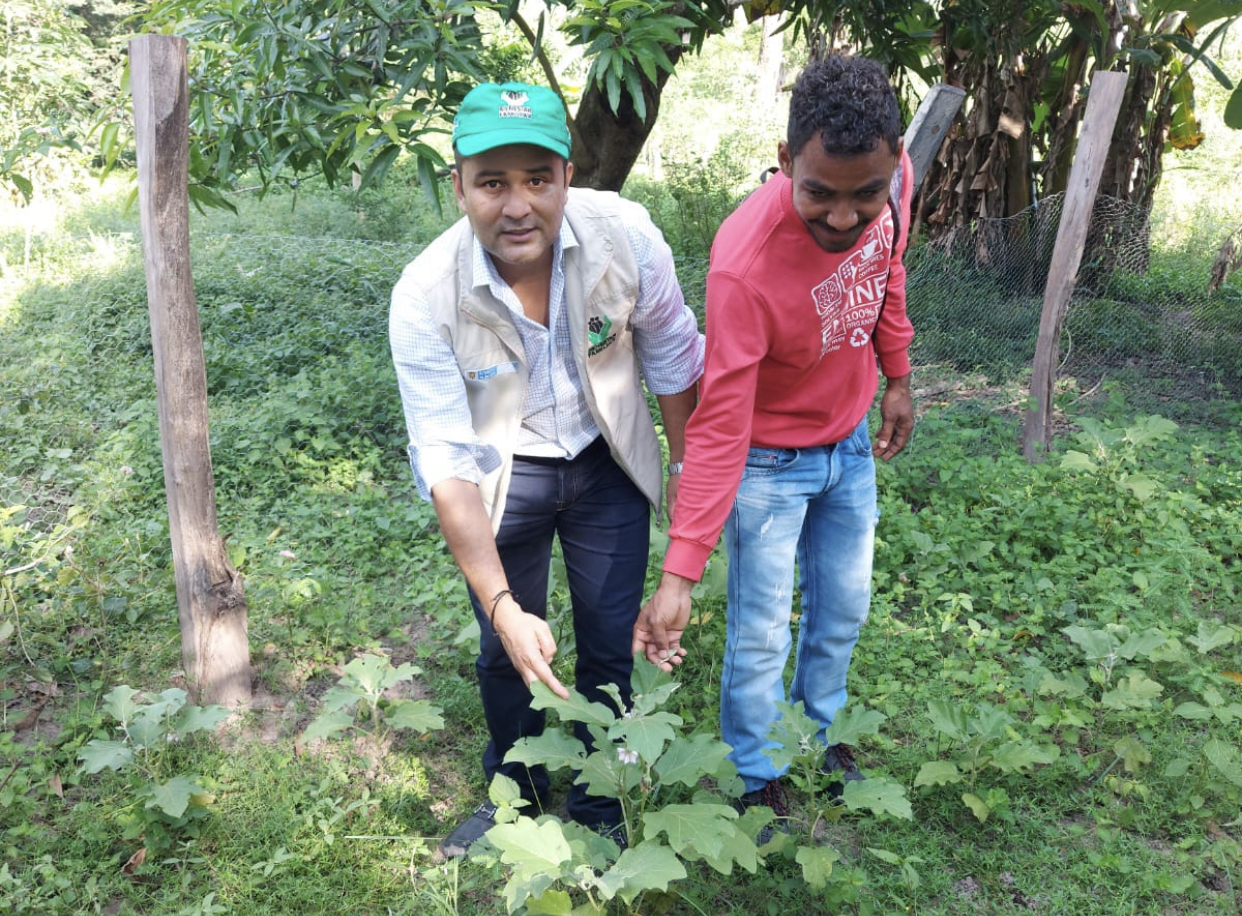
601,289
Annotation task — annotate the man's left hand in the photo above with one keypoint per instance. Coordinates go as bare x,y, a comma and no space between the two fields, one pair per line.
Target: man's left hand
897,419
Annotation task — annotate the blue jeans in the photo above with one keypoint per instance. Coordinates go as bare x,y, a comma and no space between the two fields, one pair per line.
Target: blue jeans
603,523
816,507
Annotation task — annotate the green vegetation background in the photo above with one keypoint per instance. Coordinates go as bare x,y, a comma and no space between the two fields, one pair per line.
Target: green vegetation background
1087,606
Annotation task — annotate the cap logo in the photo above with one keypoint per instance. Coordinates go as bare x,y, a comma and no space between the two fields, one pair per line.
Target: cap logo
515,105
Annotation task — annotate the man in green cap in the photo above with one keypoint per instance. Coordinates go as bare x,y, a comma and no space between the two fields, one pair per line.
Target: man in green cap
522,338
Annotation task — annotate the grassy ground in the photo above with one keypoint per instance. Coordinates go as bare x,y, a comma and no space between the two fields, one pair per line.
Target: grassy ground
1055,649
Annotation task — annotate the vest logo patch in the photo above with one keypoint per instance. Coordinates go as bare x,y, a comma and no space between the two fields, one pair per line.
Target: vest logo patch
598,327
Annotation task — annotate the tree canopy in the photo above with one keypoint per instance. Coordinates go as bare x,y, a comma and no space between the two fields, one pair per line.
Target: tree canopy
342,88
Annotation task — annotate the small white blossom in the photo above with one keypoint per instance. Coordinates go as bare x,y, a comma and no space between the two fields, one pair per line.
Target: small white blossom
626,755
126,470
288,554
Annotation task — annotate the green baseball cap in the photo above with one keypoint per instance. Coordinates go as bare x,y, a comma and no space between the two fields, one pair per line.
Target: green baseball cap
499,114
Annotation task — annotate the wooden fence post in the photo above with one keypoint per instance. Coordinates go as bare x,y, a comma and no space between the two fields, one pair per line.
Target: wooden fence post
1103,104
926,133
215,648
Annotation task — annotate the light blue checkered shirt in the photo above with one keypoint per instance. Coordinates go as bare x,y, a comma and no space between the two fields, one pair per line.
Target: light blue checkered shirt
556,420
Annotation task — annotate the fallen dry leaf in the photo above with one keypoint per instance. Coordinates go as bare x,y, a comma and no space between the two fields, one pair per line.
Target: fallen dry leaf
134,862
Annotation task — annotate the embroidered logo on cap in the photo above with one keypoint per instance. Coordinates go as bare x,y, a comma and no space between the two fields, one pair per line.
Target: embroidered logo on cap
515,105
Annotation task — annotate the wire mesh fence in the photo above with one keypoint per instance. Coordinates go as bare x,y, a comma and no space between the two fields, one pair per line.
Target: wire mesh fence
976,297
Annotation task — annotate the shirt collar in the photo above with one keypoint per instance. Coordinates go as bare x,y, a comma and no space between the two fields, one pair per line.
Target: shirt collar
484,271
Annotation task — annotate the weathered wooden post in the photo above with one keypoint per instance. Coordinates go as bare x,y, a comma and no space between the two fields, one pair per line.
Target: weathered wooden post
1103,104
215,648
925,135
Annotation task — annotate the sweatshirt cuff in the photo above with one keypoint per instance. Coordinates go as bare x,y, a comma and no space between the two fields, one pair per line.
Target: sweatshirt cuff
686,559
895,365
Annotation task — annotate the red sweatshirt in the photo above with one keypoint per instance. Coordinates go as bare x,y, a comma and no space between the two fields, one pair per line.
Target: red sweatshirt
790,361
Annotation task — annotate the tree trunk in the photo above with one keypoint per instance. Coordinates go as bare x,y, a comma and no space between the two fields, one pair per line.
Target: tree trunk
771,61
215,650
608,143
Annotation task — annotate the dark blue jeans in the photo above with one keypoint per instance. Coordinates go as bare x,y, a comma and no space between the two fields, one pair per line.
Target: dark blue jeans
603,522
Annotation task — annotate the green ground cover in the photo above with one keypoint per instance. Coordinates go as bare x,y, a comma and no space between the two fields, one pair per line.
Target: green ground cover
1048,694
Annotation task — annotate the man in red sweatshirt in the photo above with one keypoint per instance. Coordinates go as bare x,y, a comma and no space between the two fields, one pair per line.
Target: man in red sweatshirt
806,290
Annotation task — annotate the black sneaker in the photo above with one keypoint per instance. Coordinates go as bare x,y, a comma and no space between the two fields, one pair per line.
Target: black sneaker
840,758
458,842
773,795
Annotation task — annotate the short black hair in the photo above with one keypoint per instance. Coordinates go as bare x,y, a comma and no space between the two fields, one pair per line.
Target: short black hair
849,102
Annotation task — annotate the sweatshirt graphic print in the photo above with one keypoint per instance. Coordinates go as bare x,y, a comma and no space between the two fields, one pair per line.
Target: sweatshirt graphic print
848,301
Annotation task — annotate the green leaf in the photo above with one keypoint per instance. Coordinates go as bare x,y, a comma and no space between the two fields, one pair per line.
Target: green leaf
1130,750
853,723
1136,692
634,86
1017,755
793,732
1185,131
1233,109
991,722
1142,486
576,709
648,866
696,827
739,845
338,698
1096,644
418,715
687,760
503,791
1212,636
97,755
1196,712
937,773
649,680
530,847
1226,760
554,749
817,862
200,718
152,723
949,718
373,674
879,795
1077,461
173,797
328,724
1072,686
978,807
605,773
646,734
120,704
885,855
649,691
375,172
551,902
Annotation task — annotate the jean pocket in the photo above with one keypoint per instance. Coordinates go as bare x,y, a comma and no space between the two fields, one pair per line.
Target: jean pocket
764,460
859,441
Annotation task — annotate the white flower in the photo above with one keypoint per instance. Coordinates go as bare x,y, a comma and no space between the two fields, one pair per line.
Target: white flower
627,756
288,554
126,470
